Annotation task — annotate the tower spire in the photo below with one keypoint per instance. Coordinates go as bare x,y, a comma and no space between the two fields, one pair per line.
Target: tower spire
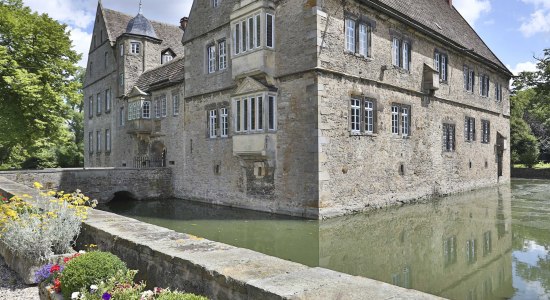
140,8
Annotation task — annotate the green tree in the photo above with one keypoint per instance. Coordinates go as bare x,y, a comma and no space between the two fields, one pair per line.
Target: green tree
37,79
525,146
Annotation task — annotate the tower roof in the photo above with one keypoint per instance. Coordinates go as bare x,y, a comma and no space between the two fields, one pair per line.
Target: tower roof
140,25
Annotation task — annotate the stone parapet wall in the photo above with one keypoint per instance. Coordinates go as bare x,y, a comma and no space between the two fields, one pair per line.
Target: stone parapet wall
101,184
531,173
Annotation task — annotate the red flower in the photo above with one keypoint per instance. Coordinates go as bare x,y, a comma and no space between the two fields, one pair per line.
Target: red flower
4,199
57,285
67,259
55,268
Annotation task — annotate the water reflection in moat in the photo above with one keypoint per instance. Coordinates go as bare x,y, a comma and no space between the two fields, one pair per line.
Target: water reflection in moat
487,244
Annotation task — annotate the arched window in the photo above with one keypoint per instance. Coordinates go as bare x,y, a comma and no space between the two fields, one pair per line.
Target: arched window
166,56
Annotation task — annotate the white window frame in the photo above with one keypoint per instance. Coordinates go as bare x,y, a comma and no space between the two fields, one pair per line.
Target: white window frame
224,122
350,35
98,141
135,47
107,140
498,92
107,100
364,39
369,117
469,129
441,65
146,110
163,106
255,113
406,53
156,105
121,80
449,137
401,118
222,52
484,85
395,119
166,57
211,55
272,36
212,124
485,131
237,38
91,142
98,104
176,104
405,121
121,47
396,50
355,116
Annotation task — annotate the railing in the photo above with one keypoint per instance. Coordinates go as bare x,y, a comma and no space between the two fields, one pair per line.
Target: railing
143,162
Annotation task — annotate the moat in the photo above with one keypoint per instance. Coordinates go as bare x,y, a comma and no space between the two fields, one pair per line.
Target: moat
487,244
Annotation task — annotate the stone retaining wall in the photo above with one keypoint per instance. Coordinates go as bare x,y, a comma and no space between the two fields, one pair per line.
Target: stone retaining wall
531,173
101,184
186,262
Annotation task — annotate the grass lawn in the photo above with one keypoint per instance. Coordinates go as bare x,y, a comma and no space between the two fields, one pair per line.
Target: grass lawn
539,166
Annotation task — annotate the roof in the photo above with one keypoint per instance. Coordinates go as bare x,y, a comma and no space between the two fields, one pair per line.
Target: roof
141,26
442,20
164,75
117,23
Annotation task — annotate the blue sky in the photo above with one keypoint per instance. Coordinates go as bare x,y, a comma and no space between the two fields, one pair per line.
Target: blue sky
516,30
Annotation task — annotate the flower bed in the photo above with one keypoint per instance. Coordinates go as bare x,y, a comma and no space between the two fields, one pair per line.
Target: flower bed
98,276
34,232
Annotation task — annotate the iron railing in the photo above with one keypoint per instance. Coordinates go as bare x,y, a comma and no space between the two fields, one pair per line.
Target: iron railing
143,162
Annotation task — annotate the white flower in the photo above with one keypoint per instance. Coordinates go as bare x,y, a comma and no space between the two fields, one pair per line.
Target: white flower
81,251
147,295
75,295
93,288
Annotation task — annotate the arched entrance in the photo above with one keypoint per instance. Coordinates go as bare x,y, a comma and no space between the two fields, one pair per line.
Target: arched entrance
158,154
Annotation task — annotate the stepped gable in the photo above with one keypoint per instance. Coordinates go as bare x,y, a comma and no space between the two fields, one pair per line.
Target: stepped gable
165,75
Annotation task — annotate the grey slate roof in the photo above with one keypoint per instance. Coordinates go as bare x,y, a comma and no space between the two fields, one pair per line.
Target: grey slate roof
141,26
117,22
439,18
167,74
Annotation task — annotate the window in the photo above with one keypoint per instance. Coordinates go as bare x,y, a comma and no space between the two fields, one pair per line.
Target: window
107,100
121,47
471,251
164,105
485,131
91,106
498,92
270,30
362,116
121,80
107,140
401,53
224,122
98,104
450,251
176,103
211,59
215,3
469,129
122,117
90,142
166,57
469,79
98,141
401,120
484,85
250,113
487,243
212,123
106,58
350,35
222,52
448,137
146,110
157,107
440,62
247,33
135,47
358,37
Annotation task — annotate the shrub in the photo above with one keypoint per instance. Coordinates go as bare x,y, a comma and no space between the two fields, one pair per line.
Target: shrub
87,269
170,295
39,228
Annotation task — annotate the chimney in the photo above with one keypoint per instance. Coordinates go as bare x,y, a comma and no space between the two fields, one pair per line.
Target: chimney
184,21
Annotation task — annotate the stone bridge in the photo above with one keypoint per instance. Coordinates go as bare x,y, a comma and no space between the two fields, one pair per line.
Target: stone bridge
102,184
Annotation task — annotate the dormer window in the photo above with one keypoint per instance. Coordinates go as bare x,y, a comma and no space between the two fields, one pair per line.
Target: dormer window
135,47
215,3
166,56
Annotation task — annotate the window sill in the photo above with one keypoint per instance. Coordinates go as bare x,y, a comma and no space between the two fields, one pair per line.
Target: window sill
363,134
367,58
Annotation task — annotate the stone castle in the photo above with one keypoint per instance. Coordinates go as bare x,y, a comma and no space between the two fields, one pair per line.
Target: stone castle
312,108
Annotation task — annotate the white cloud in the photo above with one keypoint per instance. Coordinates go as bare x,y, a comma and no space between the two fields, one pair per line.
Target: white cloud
523,66
539,22
472,10
74,13
538,3
81,43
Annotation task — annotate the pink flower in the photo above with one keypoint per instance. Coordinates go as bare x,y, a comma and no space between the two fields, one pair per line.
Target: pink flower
57,285
55,268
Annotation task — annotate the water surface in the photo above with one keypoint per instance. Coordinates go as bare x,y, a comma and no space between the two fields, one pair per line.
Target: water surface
487,244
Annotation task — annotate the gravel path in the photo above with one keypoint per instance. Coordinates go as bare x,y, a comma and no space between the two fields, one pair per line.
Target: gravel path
11,287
